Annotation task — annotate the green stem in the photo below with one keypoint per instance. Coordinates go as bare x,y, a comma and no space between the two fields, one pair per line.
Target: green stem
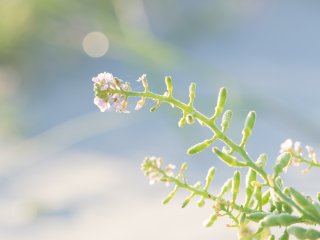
219,135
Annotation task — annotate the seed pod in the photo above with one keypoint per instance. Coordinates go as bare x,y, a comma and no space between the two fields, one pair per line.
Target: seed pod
282,161
192,93
250,177
168,81
258,196
182,121
226,118
318,196
226,187
235,186
210,221
248,126
265,198
303,233
261,161
209,178
284,236
200,146
304,203
156,106
191,196
228,159
257,216
282,219
170,195
242,218
220,103
184,166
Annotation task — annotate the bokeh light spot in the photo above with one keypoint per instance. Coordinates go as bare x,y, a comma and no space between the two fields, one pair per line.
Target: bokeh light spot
95,44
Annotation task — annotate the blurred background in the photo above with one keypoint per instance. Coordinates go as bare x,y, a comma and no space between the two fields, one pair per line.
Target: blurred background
69,172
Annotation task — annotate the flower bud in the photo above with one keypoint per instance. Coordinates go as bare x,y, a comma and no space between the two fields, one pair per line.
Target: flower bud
220,102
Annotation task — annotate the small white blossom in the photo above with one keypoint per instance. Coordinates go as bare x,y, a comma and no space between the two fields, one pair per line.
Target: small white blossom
286,146
152,167
108,93
102,104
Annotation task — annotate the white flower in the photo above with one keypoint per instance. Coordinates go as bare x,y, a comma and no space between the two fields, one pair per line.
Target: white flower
108,93
102,104
151,167
286,146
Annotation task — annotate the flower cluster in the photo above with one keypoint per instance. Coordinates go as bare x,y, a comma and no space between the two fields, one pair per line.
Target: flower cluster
297,152
152,167
108,93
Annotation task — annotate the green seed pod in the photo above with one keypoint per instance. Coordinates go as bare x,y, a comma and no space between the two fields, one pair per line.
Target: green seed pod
248,126
170,195
318,196
182,121
235,186
242,218
209,178
287,208
250,177
261,161
282,161
302,233
156,106
192,93
226,118
265,197
228,159
200,146
226,187
304,203
191,196
257,216
282,219
184,166
220,103
190,119
201,202
258,196
168,81
210,221
284,236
